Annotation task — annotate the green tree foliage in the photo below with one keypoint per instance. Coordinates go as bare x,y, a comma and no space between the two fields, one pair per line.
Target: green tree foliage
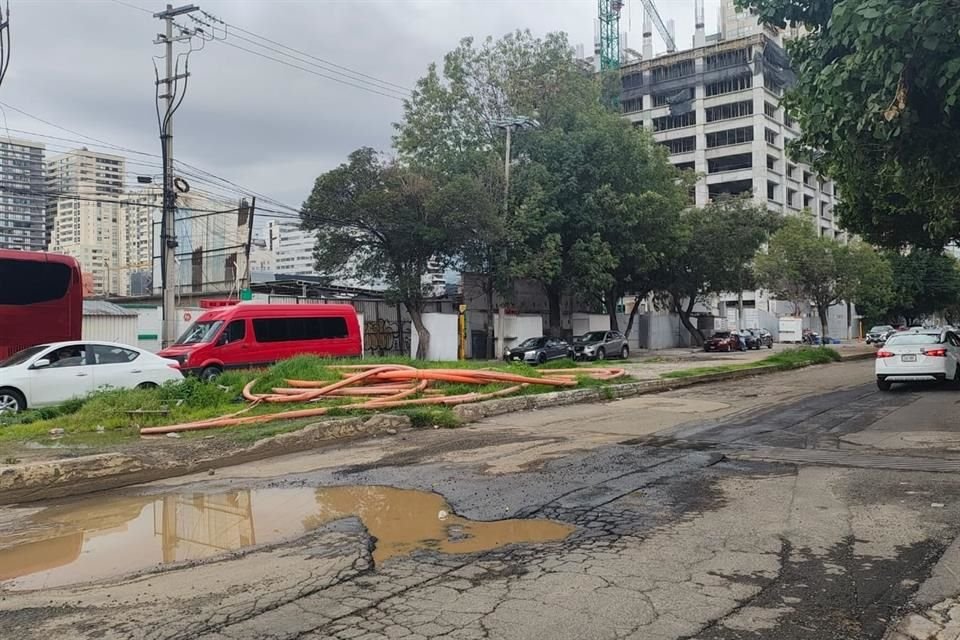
381,221
593,202
715,254
595,209
801,266
877,100
924,283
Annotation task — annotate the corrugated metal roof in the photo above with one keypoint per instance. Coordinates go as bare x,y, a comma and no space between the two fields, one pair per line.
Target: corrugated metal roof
104,308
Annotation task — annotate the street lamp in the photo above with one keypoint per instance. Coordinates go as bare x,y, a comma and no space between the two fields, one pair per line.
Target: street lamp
507,124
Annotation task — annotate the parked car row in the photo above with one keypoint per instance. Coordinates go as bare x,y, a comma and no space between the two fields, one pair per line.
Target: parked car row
742,340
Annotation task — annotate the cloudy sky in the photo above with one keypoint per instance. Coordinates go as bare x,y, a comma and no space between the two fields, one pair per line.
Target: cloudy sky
85,65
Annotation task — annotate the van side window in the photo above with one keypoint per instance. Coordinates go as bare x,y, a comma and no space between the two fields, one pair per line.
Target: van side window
236,331
290,329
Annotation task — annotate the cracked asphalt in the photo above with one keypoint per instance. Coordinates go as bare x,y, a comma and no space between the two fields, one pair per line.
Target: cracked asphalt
801,505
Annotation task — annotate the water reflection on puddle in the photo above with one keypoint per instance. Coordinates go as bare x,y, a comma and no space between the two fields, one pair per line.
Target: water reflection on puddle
98,538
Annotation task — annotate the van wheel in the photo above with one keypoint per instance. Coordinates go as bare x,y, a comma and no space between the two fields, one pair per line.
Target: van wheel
11,401
210,373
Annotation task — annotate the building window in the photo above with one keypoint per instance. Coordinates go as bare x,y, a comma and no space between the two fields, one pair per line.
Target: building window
787,120
681,145
791,170
669,72
632,80
730,85
729,136
792,198
685,166
730,163
771,163
771,191
632,105
638,124
770,110
824,210
770,136
771,85
807,200
733,188
730,110
727,59
808,178
665,123
663,99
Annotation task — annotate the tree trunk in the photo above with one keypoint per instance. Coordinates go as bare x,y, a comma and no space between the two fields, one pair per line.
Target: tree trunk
685,313
823,311
553,298
423,335
610,301
633,316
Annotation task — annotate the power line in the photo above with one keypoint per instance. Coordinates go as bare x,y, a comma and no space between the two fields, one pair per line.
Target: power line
322,62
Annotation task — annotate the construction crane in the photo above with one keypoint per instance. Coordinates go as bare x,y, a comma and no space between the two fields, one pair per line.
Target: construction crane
609,41
652,12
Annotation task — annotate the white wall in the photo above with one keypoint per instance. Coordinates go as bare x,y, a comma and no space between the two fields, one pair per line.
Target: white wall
443,336
122,329
586,322
519,327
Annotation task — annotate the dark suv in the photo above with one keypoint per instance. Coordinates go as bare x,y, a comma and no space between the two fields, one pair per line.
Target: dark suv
600,345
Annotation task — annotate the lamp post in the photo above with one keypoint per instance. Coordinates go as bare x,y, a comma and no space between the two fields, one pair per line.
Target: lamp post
509,125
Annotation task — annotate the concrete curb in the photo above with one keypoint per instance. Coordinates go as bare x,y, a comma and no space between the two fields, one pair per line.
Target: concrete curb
33,481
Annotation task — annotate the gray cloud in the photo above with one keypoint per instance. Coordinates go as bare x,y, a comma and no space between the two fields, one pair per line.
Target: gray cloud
86,65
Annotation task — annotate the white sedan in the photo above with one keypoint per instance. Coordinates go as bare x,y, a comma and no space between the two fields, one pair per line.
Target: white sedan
918,354
49,374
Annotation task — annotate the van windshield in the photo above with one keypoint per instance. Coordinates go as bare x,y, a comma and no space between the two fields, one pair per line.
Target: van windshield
200,332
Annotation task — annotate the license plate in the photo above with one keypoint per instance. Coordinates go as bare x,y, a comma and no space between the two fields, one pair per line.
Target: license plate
908,358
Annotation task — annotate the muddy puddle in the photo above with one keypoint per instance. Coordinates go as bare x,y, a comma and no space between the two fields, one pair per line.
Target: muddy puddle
97,538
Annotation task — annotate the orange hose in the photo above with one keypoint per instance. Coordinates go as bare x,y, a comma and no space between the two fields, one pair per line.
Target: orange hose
393,383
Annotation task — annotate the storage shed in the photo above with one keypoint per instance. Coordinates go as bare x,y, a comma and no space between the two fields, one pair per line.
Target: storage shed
106,321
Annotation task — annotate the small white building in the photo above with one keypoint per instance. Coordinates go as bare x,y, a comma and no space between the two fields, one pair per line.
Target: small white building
106,321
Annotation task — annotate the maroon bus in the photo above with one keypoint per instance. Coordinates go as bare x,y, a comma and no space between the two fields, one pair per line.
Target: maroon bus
41,299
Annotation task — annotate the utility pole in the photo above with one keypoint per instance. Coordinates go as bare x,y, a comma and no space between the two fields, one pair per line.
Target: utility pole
168,229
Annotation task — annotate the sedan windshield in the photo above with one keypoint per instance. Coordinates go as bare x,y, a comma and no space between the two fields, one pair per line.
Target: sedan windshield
531,343
22,356
200,332
596,336
722,335
913,338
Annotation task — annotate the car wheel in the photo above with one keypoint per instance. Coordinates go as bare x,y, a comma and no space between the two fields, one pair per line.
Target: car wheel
883,385
11,401
625,352
210,373
147,385
770,346
601,354
541,357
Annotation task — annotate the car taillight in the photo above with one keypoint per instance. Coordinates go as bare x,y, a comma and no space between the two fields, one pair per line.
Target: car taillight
884,354
936,353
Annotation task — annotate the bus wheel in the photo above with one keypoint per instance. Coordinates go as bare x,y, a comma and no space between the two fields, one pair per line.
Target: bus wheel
210,373
11,401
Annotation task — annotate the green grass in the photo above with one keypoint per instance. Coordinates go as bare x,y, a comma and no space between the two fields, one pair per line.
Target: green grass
114,416
799,357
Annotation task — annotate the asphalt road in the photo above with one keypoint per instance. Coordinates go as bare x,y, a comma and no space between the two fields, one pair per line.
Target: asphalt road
803,505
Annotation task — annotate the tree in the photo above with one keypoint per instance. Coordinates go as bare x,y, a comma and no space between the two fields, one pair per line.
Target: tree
595,210
878,85
715,255
800,265
380,220
449,127
924,283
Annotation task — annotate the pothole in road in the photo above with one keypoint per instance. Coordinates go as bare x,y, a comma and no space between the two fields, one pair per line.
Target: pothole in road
98,538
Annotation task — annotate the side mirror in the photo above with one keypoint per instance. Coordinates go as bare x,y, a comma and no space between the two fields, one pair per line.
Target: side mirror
42,363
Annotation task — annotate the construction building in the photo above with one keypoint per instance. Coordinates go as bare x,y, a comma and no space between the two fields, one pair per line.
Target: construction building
716,108
22,199
84,190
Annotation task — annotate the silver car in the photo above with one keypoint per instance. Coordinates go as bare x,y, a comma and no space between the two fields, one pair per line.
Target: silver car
600,345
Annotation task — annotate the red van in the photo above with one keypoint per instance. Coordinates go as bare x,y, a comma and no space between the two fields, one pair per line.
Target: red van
255,335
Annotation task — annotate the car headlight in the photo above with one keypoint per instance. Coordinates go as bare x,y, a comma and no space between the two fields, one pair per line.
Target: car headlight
529,354
589,349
